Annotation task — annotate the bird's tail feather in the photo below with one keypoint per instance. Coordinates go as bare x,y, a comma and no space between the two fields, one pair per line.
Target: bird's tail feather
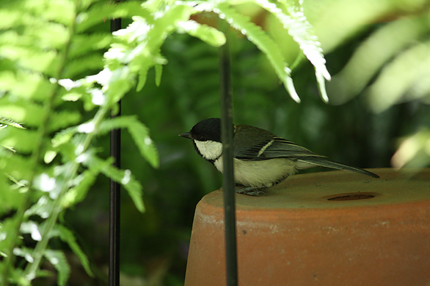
307,162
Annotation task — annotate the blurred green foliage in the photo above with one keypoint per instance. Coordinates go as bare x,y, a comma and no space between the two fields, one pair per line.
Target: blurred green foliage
378,55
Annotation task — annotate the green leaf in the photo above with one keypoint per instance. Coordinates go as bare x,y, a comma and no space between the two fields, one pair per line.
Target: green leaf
393,38
256,35
158,72
67,236
301,30
25,84
16,166
82,184
21,140
410,68
125,178
91,62
7,227
59,261
24,252
61,11
63,119
48,34
31,228
7,121
22,111
138,131
10,196
82,44
64,136
142,76
31,58
321,86
42,208
206,33
104,10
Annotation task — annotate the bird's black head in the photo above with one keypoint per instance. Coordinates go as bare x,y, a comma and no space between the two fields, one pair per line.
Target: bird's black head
208,129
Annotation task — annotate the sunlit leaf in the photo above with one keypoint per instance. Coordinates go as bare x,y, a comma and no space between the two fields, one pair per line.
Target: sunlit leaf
63,119
414,151
24,252
407,68
256,35
16,166
42,208
22,111
158,73
31,58
293,19
10,196
109,10
25,84
138,131
31,228
7,121
19,139
373,53
63,136
82,184
90,62
125,178
59,261
206,33
82,44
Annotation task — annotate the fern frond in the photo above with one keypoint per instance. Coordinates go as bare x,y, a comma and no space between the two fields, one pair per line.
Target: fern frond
410,68
256,35
16,166
21,140
90,62
61,11
138,131
82,44
125,178
63,119
59,261
22,111
67,236
8,122
30,58
11,198
294,21
367,60
80,187
25,84
206,33
103,10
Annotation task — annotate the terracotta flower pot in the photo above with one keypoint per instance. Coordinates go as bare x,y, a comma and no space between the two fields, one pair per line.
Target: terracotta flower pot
330,228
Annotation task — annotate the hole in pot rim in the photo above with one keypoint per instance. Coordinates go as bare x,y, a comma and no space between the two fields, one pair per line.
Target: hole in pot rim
351,196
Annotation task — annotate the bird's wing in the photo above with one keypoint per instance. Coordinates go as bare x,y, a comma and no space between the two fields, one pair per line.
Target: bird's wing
274,148
281,148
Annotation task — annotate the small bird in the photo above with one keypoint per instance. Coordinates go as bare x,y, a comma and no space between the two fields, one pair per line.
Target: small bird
261,159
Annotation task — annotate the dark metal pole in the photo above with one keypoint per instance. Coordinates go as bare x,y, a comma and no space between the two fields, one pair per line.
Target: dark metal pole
228,169
115,207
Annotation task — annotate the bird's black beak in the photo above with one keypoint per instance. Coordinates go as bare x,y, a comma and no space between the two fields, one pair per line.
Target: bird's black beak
186,135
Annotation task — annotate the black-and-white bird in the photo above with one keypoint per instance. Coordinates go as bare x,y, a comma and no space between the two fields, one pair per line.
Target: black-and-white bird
261,159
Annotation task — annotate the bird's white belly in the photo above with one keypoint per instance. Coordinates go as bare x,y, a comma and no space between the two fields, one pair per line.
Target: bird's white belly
262,173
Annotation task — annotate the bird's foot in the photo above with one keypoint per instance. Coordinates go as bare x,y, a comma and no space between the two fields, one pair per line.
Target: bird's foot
251,191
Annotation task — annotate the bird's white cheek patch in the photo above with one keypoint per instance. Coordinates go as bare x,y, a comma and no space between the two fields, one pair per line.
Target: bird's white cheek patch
210,150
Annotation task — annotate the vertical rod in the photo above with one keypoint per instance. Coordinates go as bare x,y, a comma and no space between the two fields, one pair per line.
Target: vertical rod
115,207
228,168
